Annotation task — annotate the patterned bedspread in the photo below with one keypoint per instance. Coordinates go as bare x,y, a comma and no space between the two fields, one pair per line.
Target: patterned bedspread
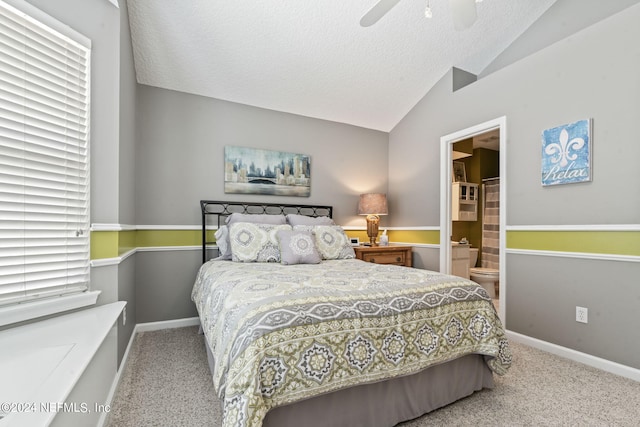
283,333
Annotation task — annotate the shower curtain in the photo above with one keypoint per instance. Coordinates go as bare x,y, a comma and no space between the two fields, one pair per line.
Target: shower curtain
491,224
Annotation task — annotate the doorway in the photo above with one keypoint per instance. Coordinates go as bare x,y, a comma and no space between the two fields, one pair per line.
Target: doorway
446,162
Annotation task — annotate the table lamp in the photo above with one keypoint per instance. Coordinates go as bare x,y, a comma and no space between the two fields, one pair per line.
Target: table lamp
373,205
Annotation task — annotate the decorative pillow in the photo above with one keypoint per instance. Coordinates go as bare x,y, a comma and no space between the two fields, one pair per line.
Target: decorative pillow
256,218
295,219
331,241
222,240
255,242
297,247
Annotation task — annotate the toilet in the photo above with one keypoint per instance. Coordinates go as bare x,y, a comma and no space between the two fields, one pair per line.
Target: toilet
485,277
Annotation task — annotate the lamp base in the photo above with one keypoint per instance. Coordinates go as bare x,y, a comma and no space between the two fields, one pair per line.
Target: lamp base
373,223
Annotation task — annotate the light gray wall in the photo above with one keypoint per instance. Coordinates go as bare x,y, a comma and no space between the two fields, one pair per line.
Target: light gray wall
414,156
126,177
562,19
180,161
128,120
163,285
547,289
426,258
179,157
592,74
126,279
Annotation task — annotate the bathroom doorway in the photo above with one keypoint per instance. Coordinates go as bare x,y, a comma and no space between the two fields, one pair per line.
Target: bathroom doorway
459,140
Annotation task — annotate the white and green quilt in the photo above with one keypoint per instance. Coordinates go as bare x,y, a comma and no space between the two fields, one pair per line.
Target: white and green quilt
282,333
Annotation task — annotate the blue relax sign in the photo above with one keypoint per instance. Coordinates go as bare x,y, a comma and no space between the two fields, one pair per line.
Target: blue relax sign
566,153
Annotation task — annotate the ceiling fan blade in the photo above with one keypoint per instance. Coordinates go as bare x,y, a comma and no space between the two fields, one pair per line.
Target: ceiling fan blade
377,12
463,13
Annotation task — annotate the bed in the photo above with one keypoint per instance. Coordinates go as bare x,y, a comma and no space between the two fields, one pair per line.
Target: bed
337,341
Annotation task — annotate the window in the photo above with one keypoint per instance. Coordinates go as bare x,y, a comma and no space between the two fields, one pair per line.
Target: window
44,159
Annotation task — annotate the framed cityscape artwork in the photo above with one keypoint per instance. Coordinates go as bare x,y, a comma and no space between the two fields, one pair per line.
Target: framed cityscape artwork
259,171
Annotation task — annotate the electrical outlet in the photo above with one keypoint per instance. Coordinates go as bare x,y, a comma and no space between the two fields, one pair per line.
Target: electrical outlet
582,314
124,316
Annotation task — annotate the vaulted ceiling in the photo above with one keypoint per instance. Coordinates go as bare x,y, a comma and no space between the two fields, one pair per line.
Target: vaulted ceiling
312,57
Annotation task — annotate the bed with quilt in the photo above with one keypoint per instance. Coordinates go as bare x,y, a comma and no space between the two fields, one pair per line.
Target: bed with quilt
298,332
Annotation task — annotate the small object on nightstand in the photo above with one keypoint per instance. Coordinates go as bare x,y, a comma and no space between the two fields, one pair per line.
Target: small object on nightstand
384,239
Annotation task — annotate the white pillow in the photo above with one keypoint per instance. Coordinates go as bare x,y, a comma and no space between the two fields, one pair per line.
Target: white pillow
295,219
298,247
256,218
331,241
222,234
255,242
222,240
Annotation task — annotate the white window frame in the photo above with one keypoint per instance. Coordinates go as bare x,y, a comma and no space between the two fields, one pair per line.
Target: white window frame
42,303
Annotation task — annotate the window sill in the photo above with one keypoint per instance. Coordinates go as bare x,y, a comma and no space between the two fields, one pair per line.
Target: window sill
41,362
34,309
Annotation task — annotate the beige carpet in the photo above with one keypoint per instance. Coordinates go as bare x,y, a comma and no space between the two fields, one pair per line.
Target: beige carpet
167,383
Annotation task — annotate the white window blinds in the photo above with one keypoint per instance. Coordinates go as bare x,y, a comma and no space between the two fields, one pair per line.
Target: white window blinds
44,173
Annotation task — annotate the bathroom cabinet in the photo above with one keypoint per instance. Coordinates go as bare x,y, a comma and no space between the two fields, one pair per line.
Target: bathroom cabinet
460,260
464,201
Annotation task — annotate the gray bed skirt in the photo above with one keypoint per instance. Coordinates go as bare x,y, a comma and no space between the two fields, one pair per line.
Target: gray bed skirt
386,403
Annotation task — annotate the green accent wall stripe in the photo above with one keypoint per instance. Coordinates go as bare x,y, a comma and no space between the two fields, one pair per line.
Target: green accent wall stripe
431,237
104,244
597,242
110,244
126,241
147,238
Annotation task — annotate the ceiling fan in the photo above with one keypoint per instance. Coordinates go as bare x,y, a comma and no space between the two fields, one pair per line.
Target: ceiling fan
463,12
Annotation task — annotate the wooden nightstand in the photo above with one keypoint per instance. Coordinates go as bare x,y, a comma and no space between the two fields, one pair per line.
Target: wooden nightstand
398,255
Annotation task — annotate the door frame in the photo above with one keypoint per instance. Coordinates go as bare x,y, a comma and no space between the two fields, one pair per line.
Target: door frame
446,145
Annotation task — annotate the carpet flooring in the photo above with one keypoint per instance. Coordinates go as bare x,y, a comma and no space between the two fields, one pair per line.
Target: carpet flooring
166,382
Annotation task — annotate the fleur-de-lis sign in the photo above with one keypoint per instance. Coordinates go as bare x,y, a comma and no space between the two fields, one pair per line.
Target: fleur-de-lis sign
562,150
566,156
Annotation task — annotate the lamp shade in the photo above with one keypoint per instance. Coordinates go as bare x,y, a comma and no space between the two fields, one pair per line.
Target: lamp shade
373,204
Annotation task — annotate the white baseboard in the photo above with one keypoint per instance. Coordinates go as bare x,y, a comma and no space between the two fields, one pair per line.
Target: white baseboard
576,356
142,327
166,324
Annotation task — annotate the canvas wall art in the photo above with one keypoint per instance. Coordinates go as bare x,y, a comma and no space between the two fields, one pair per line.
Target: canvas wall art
259,171
566,153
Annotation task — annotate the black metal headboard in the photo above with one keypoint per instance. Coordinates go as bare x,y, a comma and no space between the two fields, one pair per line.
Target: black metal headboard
223,209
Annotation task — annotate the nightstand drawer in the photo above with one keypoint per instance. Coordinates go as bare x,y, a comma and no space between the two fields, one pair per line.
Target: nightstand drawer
385,257
398,255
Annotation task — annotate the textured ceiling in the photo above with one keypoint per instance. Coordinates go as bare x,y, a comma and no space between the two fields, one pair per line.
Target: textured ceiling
312,57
